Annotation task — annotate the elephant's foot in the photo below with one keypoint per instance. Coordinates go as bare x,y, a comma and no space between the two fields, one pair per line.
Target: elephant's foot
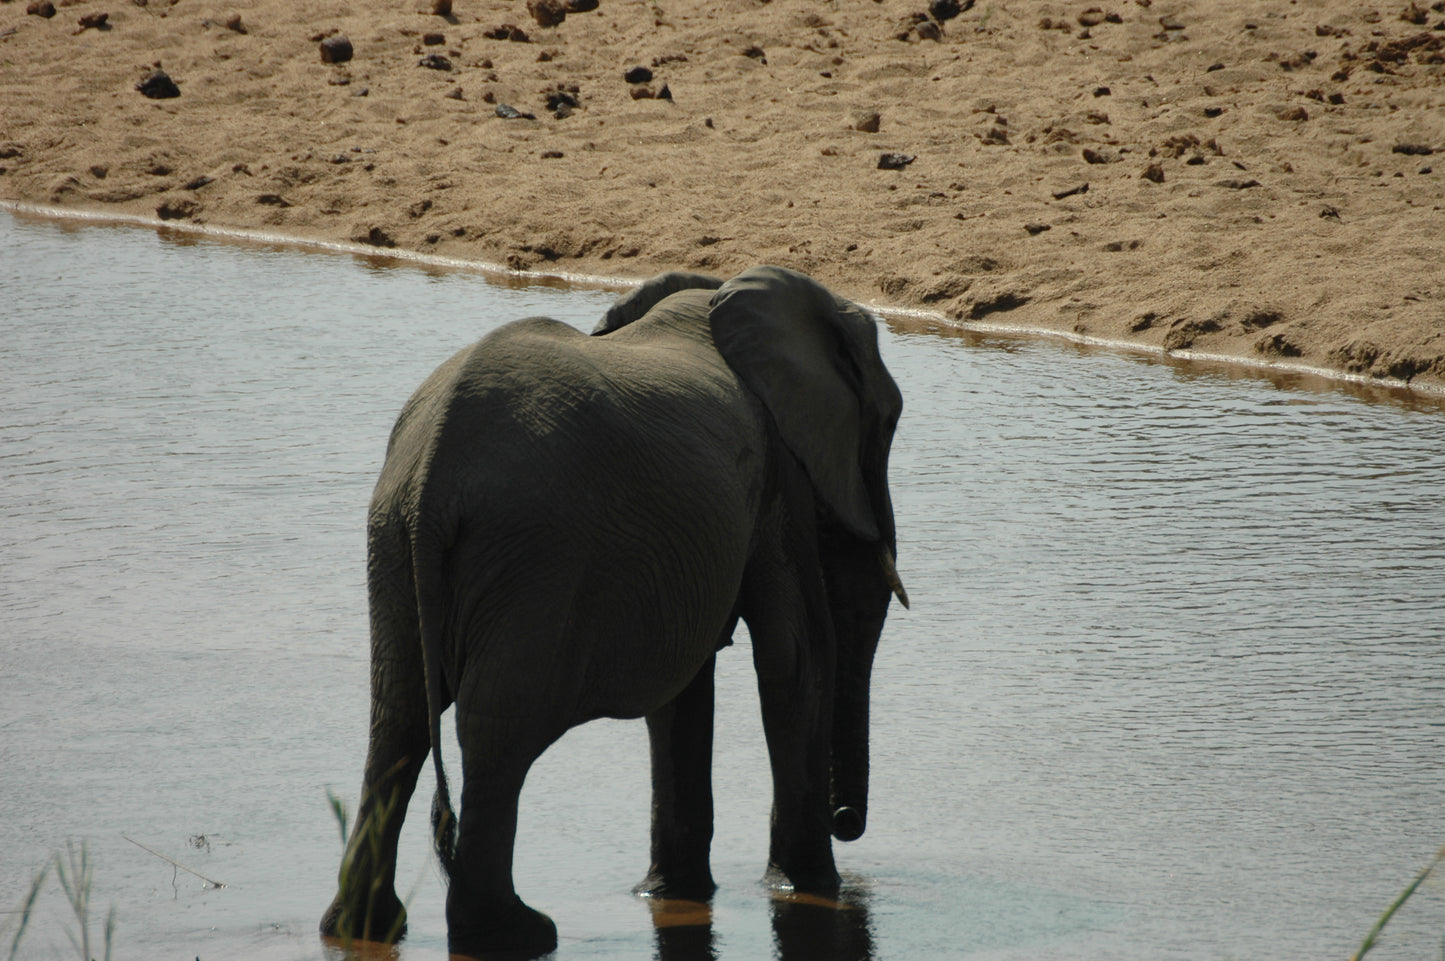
513,932
683,885
819,879
385,921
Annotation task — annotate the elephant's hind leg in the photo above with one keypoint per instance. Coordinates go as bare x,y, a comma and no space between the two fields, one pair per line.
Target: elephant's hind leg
682,807
484,913
366,905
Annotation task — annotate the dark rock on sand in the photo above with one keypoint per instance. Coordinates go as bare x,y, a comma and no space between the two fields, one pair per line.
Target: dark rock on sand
547,13
335,49
158,85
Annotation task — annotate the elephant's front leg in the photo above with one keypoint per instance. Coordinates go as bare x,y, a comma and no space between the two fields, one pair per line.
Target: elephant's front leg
682,811
801,846
794,652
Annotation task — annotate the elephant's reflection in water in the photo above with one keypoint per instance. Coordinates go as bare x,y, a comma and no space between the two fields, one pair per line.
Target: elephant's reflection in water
805,928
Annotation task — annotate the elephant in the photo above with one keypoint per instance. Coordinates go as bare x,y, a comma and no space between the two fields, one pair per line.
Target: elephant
569,527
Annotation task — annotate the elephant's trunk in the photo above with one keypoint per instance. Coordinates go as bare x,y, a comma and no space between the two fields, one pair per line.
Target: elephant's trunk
859,599
850,756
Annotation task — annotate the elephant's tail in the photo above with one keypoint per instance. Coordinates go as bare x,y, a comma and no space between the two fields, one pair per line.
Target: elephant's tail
443,821
426,570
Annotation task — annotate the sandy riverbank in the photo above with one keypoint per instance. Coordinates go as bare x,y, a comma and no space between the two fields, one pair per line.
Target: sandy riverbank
1262,179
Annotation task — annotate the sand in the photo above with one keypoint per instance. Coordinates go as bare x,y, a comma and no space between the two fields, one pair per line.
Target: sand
1260,179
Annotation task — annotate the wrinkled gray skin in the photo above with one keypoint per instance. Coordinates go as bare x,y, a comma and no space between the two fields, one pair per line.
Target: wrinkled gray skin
569,527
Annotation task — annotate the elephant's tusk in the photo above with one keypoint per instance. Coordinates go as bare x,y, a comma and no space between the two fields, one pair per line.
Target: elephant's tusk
890,573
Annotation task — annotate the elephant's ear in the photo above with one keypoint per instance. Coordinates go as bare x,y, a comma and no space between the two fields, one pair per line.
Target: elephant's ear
634,305
813,359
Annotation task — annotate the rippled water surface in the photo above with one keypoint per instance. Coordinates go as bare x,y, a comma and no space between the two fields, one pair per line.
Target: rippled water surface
1172,685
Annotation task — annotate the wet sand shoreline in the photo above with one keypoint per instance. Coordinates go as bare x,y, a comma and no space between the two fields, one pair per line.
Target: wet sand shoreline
1283,373
1255,181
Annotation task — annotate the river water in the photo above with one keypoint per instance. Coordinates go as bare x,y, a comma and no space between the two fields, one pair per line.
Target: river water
1171,687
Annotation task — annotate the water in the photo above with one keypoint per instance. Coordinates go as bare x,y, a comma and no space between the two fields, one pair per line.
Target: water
1171,686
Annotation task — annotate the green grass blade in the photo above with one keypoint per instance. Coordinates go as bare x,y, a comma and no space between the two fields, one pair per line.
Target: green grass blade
27,907
1373,937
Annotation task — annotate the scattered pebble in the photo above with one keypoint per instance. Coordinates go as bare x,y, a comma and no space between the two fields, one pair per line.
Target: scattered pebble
547,13
1096,157
95,21
1036,229
1294,114
435,61
868,121
442,8
507,31
1238,184
335,49
1260,318
1154,173
1082,188
158,86
376,237
894,161
177,209
433,39
942,10
1412,149
44,8
1277,344
562,100
997,134
928,30
637,75
508,112
198,182
1094,16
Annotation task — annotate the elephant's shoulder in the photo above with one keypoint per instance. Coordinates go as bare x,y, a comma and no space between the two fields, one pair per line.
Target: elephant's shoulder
530,330
534,343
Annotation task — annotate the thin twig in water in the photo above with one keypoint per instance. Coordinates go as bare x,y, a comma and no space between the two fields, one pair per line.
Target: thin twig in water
174,863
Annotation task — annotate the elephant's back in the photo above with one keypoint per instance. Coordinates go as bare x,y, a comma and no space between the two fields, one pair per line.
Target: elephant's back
605,485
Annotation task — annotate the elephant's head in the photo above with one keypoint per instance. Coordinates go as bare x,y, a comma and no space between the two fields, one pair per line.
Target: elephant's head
649,294
812,358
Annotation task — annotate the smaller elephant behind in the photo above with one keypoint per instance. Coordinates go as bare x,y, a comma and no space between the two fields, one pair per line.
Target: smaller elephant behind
570,527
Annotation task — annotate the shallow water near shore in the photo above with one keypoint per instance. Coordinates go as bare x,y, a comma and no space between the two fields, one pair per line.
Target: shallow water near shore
1171,685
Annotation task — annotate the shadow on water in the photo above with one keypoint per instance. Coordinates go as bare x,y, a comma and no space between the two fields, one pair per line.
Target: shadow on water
805,928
